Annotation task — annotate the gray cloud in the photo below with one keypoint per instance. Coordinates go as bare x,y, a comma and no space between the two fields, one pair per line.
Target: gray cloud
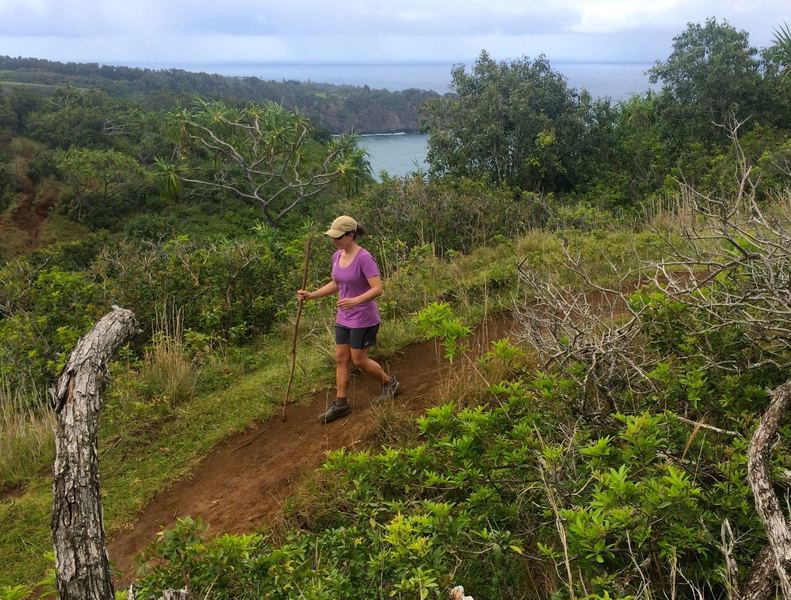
358,30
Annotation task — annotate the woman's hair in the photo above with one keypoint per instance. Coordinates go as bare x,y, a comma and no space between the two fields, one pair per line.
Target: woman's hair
359,231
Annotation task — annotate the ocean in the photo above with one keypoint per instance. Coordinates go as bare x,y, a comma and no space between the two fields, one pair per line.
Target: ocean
398,154
614,79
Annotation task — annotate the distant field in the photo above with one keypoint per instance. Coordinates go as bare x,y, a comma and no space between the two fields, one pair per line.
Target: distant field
44,87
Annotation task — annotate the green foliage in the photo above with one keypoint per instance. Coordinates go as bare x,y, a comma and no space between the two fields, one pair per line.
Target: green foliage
263,154
228,288
478,496
711,75
782,43
449,214
516,123
339,108
105,184
72,118
15,592
466,503
45,312
632,159
438,321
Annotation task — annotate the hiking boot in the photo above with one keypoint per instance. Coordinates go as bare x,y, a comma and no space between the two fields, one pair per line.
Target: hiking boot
336,410
389,390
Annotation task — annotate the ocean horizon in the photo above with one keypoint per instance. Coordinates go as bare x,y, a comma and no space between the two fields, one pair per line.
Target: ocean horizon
617,80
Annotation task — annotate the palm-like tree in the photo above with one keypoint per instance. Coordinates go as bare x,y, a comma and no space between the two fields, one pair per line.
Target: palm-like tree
782,45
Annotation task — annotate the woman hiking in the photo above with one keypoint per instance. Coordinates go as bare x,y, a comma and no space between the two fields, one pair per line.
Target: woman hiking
356,279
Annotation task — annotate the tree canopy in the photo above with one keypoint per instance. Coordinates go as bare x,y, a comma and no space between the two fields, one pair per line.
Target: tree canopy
263,154
517,123
712,74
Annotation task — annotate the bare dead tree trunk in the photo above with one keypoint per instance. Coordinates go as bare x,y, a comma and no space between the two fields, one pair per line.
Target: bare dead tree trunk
759,476
81,562
763,580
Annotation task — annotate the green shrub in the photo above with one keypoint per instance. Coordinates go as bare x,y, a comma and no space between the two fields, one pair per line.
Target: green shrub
229,288
44,312
447,214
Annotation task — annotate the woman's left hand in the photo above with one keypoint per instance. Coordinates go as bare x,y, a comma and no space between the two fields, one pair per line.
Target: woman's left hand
348,302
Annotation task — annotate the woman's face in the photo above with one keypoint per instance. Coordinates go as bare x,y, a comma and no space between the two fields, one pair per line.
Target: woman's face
344,242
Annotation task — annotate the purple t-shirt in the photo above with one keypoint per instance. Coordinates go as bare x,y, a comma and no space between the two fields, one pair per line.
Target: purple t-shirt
353,281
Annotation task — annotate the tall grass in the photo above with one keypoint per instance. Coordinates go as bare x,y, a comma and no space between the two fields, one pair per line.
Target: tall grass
27,444
167,372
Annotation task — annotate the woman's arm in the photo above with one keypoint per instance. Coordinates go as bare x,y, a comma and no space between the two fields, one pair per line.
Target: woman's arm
374,292
325,290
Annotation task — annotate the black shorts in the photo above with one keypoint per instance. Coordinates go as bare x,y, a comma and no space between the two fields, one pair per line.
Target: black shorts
359,337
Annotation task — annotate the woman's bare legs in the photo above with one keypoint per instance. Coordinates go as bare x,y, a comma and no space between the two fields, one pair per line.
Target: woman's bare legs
370,366
343,359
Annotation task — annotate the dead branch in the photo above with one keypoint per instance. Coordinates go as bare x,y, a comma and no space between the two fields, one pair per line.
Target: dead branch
759,475
597,329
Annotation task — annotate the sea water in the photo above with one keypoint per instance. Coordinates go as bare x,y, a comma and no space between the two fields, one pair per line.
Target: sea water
617,80
398,154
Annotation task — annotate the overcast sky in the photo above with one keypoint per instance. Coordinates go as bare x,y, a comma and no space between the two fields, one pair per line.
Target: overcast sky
178,32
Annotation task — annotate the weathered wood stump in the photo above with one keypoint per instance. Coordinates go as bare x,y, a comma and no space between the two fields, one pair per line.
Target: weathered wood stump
760,477
81,562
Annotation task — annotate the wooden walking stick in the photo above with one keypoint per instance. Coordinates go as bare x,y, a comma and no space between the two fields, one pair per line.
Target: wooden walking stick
296,327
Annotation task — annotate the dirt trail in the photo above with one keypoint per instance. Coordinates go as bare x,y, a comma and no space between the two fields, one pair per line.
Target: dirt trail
241,484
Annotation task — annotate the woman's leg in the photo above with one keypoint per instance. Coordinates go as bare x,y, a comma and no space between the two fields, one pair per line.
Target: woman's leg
340,407
370,366
342,362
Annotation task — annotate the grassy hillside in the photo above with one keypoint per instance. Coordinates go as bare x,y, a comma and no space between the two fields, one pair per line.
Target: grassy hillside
135,430
601,452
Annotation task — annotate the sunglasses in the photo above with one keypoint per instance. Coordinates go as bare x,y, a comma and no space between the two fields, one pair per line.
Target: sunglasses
340,237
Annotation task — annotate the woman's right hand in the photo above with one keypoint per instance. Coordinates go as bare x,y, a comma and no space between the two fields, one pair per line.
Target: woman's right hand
303,295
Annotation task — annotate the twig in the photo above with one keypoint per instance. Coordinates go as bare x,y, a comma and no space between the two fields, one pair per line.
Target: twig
703,425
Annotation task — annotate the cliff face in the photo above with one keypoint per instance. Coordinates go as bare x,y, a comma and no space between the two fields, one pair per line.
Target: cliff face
370,113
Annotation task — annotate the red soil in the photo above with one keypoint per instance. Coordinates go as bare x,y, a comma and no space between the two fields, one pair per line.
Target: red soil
246,479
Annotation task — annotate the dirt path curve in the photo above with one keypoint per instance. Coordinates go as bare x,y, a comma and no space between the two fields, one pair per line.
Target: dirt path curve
240,486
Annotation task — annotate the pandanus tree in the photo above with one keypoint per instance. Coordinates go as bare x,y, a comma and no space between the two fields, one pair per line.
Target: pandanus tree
782,48
262,153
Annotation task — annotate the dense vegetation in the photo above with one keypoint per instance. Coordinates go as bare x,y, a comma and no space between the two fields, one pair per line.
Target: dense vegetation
586,465
520,124
337,108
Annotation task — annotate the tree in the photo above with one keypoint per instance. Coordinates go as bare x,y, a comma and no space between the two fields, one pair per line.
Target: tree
72,117
97,177
8,118
776,67
516,123
263,154
711,74
782,48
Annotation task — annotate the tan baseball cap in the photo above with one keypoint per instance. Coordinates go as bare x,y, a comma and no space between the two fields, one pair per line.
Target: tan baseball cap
340,226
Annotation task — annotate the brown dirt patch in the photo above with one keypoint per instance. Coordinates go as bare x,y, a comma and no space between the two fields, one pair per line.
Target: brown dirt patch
11,492
29,216
247,478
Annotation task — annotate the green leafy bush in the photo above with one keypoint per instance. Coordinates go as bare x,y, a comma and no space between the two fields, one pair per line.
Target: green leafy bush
229,288
44,311
448,214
